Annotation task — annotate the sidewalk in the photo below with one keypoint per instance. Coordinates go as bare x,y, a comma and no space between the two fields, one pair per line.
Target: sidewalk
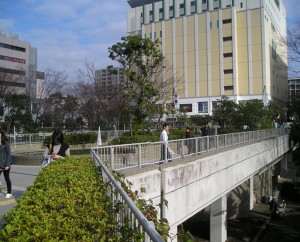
21,178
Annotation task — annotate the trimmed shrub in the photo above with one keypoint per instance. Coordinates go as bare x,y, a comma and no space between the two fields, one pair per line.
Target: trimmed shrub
67,202
78,139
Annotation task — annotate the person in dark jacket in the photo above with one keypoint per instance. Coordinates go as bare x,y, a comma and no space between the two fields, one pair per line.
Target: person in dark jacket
189,143
5,161
57,148
205,130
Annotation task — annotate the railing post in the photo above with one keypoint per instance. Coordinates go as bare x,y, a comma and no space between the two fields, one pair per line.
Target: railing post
207,143
217,142
196,145
166,151
112,158
30,140
140,156
182,147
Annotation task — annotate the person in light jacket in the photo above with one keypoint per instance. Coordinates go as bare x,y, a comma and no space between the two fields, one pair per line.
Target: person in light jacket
57,148
5,161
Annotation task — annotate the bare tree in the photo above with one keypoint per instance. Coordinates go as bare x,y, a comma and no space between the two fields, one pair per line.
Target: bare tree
54,82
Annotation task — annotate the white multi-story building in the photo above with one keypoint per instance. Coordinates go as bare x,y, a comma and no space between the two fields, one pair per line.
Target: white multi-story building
108,80
217,47
18,64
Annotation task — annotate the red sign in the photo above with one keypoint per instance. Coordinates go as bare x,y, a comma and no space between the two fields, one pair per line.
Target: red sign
12,59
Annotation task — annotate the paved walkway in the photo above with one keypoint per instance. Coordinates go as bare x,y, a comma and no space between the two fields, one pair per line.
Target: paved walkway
21,178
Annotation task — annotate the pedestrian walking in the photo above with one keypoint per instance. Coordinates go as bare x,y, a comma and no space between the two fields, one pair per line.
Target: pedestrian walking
5,161
164,138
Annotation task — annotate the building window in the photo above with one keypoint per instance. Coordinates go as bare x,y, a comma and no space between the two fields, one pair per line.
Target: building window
203,1
193,7
210,24
186,108
182,10
171,11
228,71
218,23
12,47
241,5
229,38
160,34
202,107
151,16
228,88
161,14
227,21
227,55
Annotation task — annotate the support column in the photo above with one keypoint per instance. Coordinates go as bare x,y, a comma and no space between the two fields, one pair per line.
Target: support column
284,162
218,220
251,193
173,234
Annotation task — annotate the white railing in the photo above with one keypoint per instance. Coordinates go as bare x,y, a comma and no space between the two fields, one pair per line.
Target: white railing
142,154
128,215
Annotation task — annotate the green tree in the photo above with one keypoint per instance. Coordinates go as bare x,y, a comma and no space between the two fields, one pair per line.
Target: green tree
225,112
252,113
18,114
142,61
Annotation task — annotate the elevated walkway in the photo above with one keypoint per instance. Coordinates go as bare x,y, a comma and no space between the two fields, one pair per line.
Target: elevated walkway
194,183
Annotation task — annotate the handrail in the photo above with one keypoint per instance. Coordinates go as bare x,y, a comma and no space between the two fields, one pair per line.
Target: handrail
152,233
141,154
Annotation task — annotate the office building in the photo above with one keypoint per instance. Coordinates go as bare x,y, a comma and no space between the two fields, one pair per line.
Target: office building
18,64
217,47
108,80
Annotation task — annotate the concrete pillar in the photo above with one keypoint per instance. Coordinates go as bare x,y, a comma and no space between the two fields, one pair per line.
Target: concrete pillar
251,193
218,220
173,234
284,162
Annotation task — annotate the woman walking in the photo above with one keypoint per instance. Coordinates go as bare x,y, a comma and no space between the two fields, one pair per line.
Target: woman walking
5,161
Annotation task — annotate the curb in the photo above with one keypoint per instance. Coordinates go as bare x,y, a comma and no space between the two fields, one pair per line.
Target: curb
262,228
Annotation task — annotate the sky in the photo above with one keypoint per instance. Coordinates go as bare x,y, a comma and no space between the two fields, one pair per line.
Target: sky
67,33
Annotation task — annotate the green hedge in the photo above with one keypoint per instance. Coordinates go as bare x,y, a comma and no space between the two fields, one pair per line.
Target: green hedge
141,137
67,202
78,139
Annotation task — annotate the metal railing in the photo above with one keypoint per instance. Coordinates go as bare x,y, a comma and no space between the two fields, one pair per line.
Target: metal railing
143,154
29,140
128,215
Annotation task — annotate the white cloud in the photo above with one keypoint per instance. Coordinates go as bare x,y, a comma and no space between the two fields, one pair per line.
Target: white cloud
68,33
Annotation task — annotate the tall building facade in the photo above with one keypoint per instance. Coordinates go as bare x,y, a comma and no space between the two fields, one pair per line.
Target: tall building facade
18,64
108,80
217,47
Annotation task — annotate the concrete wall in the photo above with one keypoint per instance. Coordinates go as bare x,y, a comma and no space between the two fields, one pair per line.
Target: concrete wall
192,186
